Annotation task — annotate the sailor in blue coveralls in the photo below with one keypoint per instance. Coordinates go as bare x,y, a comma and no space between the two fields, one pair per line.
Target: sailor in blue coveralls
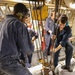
61,33
13,37
49,28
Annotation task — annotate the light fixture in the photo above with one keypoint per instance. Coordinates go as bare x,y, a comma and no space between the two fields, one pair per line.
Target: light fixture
64,8
72,5
47,1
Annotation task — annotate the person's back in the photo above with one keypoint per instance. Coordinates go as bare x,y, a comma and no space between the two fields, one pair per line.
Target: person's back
8,47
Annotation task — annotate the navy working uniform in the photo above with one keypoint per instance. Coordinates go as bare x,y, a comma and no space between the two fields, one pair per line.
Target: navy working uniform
62,38
49,26
14,36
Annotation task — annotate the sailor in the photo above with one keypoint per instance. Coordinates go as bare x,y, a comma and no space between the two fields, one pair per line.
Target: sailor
49,26
62,34
13,37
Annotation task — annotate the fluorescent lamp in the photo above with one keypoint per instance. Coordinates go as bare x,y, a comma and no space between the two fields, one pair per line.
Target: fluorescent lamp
72,5
64,8
47,1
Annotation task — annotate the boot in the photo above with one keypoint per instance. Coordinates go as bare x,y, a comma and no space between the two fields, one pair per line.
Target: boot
67,68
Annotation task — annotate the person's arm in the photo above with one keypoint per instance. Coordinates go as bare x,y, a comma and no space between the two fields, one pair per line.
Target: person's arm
71,38
33,35
47,26
23,39
58,48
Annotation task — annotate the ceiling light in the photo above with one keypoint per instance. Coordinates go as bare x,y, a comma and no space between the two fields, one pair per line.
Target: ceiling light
64,8
72,5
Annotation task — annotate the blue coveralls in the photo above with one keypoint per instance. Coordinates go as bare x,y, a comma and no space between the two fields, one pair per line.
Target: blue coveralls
49,26
62,38
15,37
